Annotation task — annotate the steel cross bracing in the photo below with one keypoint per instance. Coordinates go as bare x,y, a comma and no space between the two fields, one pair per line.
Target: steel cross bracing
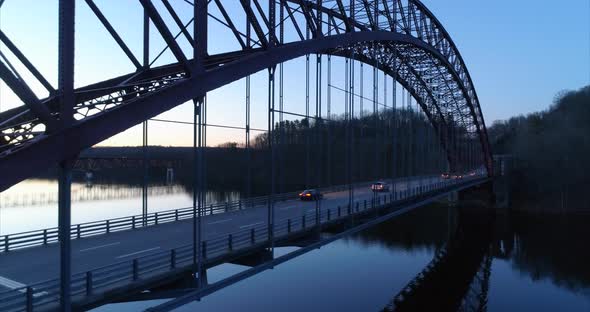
402,32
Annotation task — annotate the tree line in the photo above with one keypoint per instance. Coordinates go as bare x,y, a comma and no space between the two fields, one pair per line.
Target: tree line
551,150
308,153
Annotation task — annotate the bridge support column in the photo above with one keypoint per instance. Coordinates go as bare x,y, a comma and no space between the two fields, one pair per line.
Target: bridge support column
65,254
66,103
200,52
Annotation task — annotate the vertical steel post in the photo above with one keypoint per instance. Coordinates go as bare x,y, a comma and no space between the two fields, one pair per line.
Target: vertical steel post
271,125
329,122
146,63
67,101
66,61
361,164
318,127
347,129
281,168
248,152
196,173
394,126
198,185
271,147
411,139
361,92
378,149
376,114
65,185
350,119
386,127
318,116
351,96
144,189
200,52
307,147
403,137
146,39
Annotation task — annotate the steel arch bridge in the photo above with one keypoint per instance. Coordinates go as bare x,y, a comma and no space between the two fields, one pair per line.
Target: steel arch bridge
400,37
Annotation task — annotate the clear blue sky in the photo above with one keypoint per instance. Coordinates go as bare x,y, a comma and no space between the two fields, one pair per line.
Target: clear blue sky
519,53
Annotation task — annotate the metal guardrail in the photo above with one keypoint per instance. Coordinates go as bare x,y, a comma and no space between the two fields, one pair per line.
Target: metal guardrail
45,295
50,235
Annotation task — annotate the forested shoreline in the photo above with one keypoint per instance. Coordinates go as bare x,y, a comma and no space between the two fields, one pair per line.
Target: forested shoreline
551,152
308,154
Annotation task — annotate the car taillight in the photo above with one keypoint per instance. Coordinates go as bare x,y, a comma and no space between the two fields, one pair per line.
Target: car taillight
308,195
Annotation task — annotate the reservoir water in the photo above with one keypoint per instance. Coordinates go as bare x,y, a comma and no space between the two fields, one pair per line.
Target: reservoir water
437,258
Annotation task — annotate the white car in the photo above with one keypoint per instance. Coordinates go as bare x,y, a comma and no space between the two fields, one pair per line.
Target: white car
380,187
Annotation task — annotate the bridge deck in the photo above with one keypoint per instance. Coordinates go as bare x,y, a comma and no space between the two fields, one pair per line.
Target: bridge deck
150,247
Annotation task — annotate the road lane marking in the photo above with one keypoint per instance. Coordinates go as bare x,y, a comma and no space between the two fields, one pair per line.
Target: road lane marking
97,247
250,225
10,284
220,221
138,252
285,208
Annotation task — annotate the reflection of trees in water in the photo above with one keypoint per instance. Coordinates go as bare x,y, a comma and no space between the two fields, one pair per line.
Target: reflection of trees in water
554,248
542,247
110,191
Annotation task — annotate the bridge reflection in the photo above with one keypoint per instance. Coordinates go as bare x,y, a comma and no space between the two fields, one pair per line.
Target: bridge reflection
457,278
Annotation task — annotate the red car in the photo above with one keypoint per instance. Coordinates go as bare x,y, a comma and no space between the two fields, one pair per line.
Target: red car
311,195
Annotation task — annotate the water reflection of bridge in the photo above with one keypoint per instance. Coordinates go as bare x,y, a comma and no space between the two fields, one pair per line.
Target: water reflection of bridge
457,278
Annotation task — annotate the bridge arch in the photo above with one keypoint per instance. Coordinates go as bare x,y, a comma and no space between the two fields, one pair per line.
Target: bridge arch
430,55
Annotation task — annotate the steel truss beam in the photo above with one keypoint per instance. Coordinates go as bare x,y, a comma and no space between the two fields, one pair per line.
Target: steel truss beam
406,22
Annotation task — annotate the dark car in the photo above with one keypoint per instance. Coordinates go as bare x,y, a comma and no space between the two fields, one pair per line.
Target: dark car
380,187
310,195
445,175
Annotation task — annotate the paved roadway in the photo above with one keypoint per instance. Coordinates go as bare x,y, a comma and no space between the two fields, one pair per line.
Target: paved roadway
41,263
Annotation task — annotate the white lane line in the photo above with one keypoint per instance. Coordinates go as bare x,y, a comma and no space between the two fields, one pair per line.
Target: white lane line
10,284
285,208
137,252
97,247
250,225
220,221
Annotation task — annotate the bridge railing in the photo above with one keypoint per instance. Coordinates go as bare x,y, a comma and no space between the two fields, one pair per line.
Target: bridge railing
50,235
44,295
